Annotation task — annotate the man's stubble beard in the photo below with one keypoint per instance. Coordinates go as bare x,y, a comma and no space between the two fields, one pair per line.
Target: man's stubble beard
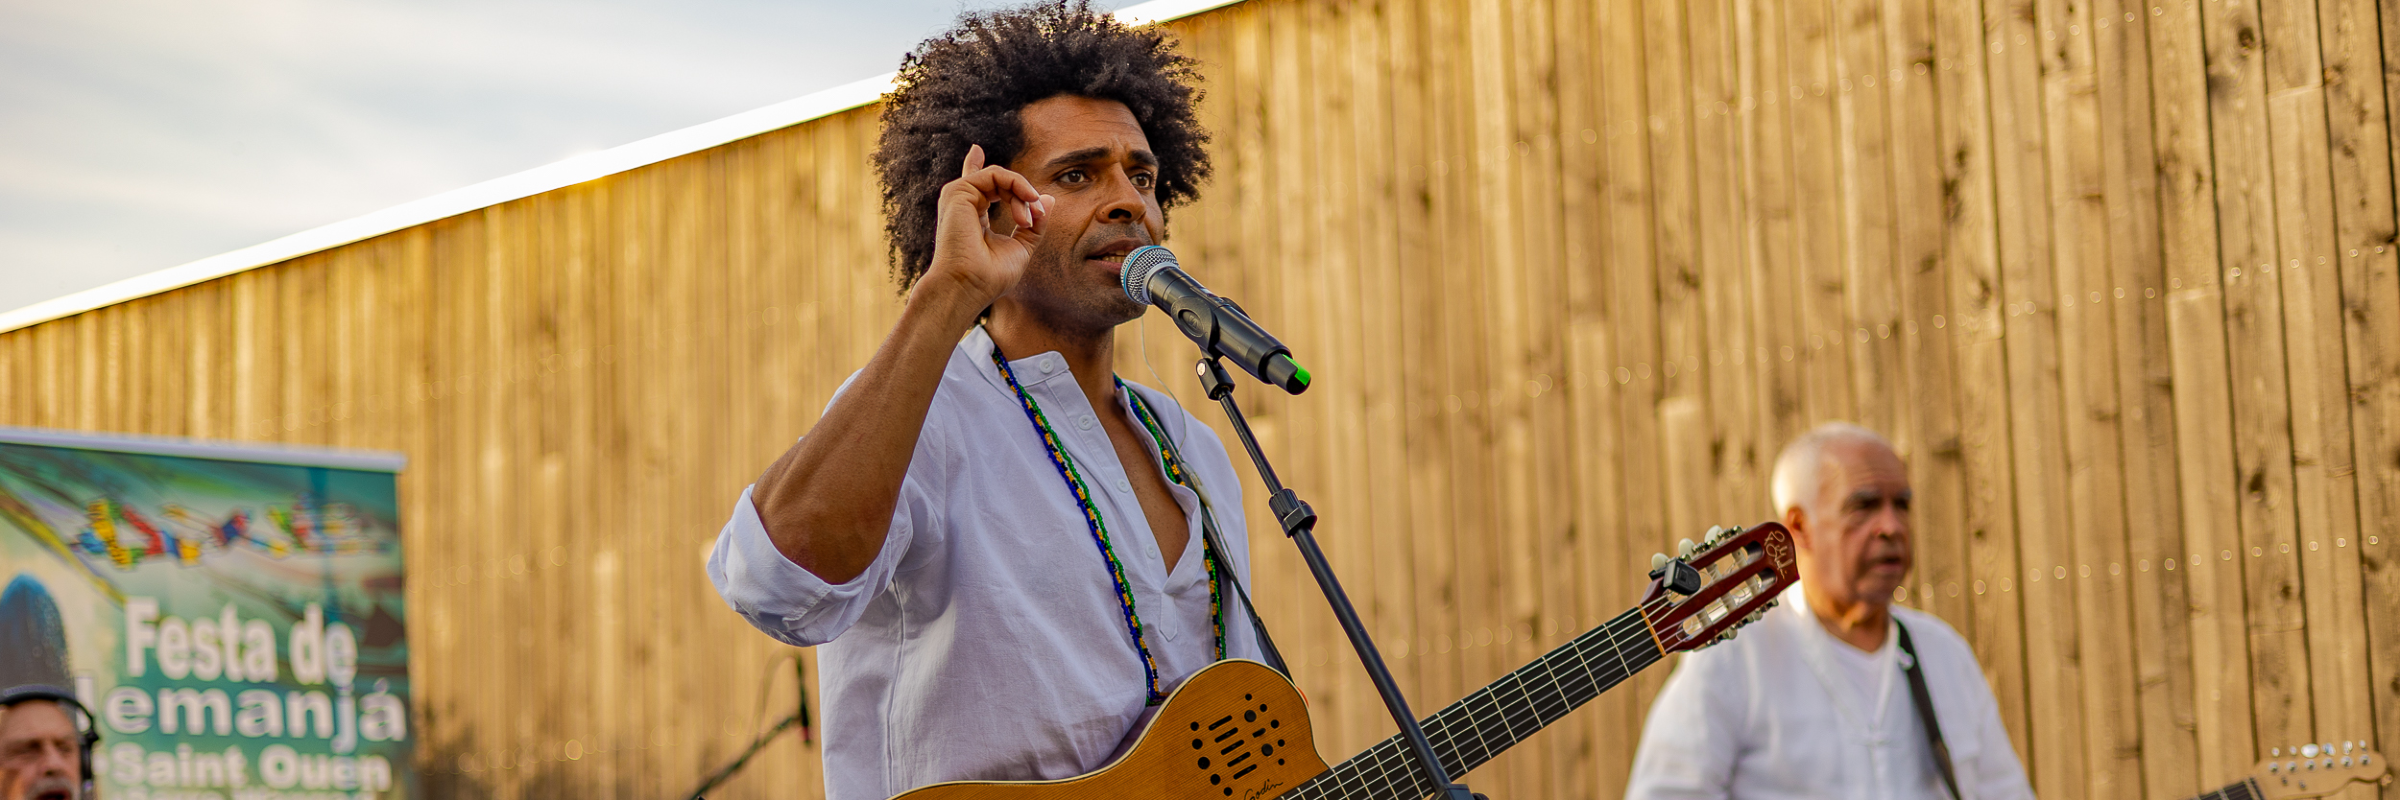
1069,296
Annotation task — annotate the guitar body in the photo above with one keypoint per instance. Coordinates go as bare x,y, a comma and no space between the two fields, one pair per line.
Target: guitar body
1239,731
1235,730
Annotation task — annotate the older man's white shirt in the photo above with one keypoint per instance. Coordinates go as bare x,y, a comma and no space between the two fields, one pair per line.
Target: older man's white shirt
1781,713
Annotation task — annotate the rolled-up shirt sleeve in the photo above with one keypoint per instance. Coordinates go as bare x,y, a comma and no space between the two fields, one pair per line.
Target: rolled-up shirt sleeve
787,601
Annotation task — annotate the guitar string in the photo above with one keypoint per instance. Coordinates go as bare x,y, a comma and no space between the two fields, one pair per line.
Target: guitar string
1374,760
1381,756
1377,763
1384,756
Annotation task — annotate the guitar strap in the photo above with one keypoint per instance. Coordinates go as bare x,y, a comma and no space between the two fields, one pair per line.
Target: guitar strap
1215,545
1216,550
1924,703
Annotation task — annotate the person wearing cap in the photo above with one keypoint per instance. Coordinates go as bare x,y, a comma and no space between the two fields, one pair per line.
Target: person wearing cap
41,751
45,734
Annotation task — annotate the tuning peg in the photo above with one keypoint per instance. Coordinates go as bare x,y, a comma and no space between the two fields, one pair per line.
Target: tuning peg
1715,532
1686,548
1658,561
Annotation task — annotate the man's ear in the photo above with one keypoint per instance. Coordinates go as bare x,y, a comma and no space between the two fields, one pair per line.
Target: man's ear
1797,520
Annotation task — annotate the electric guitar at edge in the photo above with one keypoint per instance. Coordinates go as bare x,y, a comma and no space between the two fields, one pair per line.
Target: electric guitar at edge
2310,770
1239,730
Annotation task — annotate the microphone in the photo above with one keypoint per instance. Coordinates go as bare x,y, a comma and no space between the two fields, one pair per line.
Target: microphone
1219,327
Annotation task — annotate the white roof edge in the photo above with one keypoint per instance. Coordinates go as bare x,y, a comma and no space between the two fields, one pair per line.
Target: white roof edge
590,166
251,452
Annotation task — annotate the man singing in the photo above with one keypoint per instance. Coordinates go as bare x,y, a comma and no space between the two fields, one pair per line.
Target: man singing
1815,700
996,539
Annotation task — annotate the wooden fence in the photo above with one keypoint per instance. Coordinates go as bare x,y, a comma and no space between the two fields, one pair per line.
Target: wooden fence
2117,277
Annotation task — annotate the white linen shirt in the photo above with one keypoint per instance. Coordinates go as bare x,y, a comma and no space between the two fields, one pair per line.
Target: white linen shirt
986,642
1773,714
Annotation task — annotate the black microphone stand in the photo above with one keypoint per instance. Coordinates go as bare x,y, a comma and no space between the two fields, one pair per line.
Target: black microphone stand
1298,521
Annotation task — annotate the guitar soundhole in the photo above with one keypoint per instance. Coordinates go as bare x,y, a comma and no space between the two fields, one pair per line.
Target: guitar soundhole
1242,742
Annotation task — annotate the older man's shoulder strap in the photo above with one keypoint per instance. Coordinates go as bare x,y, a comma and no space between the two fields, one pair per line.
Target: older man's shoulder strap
1924,702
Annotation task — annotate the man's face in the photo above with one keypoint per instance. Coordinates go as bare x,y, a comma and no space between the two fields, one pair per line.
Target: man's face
1092,156
39,744
1854,540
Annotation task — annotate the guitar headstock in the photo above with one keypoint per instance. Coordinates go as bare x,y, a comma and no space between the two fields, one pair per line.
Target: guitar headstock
1718,585
2315,770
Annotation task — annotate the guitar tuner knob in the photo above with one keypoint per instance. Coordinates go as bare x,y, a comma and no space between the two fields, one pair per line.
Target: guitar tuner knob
2309,750
1687,548
1658,561
1715,532
2274,752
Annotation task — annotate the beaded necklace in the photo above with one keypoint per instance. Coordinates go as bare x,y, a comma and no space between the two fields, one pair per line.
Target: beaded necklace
1173,464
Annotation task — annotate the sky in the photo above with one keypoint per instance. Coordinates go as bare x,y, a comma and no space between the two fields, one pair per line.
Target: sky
137,135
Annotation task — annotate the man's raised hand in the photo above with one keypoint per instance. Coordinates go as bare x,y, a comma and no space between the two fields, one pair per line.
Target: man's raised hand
989,221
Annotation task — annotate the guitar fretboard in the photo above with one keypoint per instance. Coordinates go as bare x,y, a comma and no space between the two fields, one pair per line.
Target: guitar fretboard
2246,790
1476,729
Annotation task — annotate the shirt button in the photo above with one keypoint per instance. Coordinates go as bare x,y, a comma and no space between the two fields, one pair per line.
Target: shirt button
1049,365
1124,485
1084,422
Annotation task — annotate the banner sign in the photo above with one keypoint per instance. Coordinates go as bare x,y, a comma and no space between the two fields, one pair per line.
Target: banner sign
232,615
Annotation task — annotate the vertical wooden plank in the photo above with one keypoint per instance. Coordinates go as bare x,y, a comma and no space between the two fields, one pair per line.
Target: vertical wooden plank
1684,422
2132,172
2093,572
1772,241
2254,307
1929,438
2358,120
2200,354
1631,265
1816,151
1871,292
2326,622
1588,355
1970,260
1727,377
2021,138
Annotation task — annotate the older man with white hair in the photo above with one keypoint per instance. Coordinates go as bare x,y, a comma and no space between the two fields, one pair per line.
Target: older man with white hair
1836,692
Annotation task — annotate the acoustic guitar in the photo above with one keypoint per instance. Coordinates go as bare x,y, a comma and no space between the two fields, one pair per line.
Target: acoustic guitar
2310,770
1239,730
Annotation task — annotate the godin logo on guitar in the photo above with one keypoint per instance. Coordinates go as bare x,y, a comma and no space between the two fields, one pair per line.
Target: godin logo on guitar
1263,790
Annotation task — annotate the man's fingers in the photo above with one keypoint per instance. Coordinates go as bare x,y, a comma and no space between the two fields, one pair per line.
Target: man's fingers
974,160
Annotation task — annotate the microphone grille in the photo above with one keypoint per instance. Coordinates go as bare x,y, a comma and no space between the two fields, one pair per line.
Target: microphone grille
1140,264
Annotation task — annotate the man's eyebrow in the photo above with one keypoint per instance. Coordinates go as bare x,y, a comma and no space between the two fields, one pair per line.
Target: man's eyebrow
1089,154
1864,496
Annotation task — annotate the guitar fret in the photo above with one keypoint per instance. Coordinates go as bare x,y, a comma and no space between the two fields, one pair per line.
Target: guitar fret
1477,728
1552,701
1514,716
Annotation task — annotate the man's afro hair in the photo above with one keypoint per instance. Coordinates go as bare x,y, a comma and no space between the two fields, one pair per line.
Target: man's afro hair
965,87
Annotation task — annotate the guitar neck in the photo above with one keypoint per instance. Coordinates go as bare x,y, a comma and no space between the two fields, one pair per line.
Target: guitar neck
1478,728
2245,790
